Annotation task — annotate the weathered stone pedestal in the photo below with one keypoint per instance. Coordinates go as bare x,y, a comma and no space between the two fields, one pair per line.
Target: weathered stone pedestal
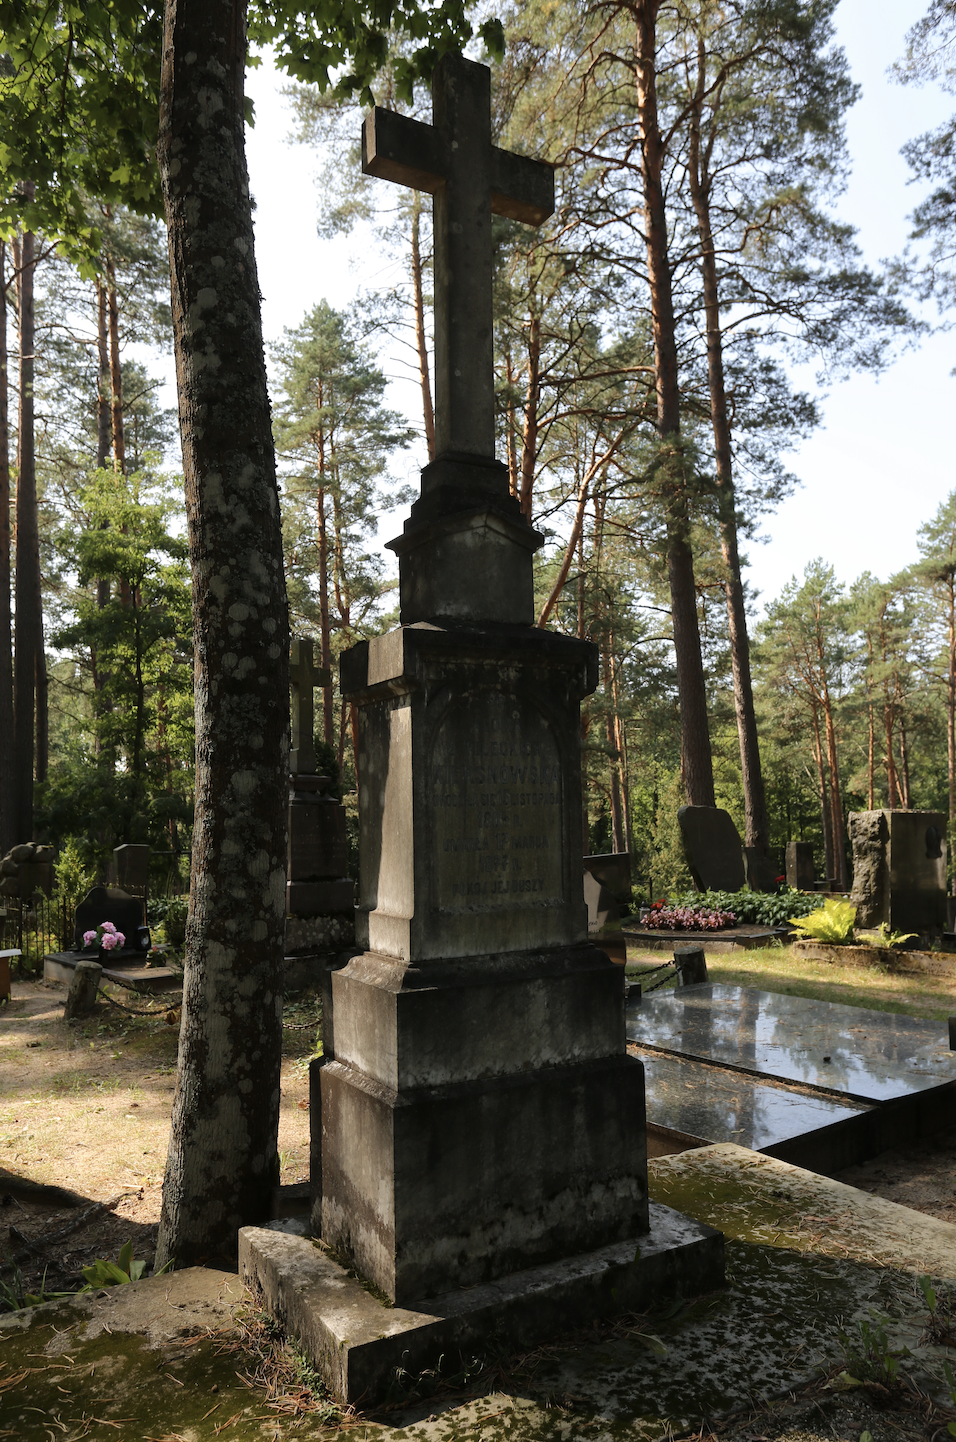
479,1042
480,1117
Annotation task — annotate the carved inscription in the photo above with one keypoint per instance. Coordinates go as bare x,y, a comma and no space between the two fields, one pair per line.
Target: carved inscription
495,798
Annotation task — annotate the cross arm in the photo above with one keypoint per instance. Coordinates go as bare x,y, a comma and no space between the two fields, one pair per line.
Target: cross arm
521,188
396,147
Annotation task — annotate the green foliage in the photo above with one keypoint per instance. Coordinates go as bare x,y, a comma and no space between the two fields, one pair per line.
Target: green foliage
868,1353
126,1268
73,875
753,908
832,922
885,938
14,1296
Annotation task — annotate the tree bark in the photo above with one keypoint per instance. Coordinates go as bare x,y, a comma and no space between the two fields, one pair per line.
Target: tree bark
696,760
8,835
529,439
421,341
756,820
222,1162
103,406
29,621
116,371
325,640
951,716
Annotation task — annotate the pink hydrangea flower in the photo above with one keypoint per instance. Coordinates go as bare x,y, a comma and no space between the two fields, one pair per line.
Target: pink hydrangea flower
110,940
108,926
88,937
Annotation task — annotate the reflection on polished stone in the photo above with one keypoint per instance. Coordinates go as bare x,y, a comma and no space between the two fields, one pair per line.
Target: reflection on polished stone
712,1104
869,1056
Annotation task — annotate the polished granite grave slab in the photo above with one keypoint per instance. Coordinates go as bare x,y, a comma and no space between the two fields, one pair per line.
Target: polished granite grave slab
692,1104
811,1082
868,1056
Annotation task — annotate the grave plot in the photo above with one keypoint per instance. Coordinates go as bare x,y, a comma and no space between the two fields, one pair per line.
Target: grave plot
811,1082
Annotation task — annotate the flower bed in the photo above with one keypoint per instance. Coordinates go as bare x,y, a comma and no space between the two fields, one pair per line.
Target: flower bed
662,917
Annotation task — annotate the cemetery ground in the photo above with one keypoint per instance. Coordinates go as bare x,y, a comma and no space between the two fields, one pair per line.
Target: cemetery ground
86,1107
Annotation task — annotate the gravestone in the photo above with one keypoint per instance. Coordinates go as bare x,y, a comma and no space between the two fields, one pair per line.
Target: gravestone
800,870
712,848
317,882
761,869
612,870
132,869
463,1138
110,903
899,869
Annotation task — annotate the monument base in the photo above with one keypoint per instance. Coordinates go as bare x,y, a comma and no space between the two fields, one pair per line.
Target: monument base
358,1344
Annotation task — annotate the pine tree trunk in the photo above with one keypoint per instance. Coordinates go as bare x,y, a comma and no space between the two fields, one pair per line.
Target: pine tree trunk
836,804
825,815
222,1162
512,443
696,761
104,384
116,371
8,802
951,720
529,439
756,821
325,628
421,340
29,622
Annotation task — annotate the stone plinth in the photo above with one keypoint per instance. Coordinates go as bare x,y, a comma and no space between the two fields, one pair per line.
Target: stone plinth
479,1043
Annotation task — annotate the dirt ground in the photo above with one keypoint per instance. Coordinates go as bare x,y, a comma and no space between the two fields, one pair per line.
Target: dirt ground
85,1106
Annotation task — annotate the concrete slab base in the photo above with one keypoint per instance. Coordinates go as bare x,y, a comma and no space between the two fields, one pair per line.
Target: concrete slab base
361,1346
124,976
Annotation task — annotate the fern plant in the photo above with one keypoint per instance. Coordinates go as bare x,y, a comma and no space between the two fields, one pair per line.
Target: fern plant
833,921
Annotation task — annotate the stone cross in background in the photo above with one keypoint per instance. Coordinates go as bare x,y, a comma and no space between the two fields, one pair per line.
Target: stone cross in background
471,179
305,676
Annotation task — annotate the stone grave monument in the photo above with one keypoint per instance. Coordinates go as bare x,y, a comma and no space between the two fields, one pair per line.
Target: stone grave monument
483,1148
712,848
800,871
319,896
899,870
131,865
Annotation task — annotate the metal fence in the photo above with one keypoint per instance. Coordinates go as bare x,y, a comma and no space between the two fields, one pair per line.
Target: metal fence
36,927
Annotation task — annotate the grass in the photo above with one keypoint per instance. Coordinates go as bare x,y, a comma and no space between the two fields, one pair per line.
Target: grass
779,969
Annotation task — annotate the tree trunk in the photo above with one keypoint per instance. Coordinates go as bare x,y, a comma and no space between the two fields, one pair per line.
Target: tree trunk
428,410
529,439
43,716
756,820
836,803
512,444
222,1162
325,629
104,381
825,816
8,794
871,759
696,761
951,718
116,372
29,621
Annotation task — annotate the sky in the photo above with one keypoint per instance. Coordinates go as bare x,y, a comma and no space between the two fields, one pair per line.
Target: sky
884,458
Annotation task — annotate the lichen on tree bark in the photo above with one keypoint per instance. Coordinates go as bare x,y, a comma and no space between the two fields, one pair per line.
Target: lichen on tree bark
222,1161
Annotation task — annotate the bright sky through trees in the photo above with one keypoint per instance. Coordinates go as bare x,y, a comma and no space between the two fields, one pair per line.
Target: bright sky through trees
884,459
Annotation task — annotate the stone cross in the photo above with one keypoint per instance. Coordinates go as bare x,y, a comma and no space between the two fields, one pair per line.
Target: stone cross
305,676
454,160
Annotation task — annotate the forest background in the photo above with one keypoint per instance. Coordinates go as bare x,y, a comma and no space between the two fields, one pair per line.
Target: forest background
853,683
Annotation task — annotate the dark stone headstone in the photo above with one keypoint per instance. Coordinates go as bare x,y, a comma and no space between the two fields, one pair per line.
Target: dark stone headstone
761,869
800,872
317,882
132,869
613,871
899,869
109,903
712,848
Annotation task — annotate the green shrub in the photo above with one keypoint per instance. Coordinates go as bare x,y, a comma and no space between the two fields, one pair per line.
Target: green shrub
752,908
832,922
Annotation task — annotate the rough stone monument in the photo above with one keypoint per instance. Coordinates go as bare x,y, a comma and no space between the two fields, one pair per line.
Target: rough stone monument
319,895
482,1122
899,869
712,848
